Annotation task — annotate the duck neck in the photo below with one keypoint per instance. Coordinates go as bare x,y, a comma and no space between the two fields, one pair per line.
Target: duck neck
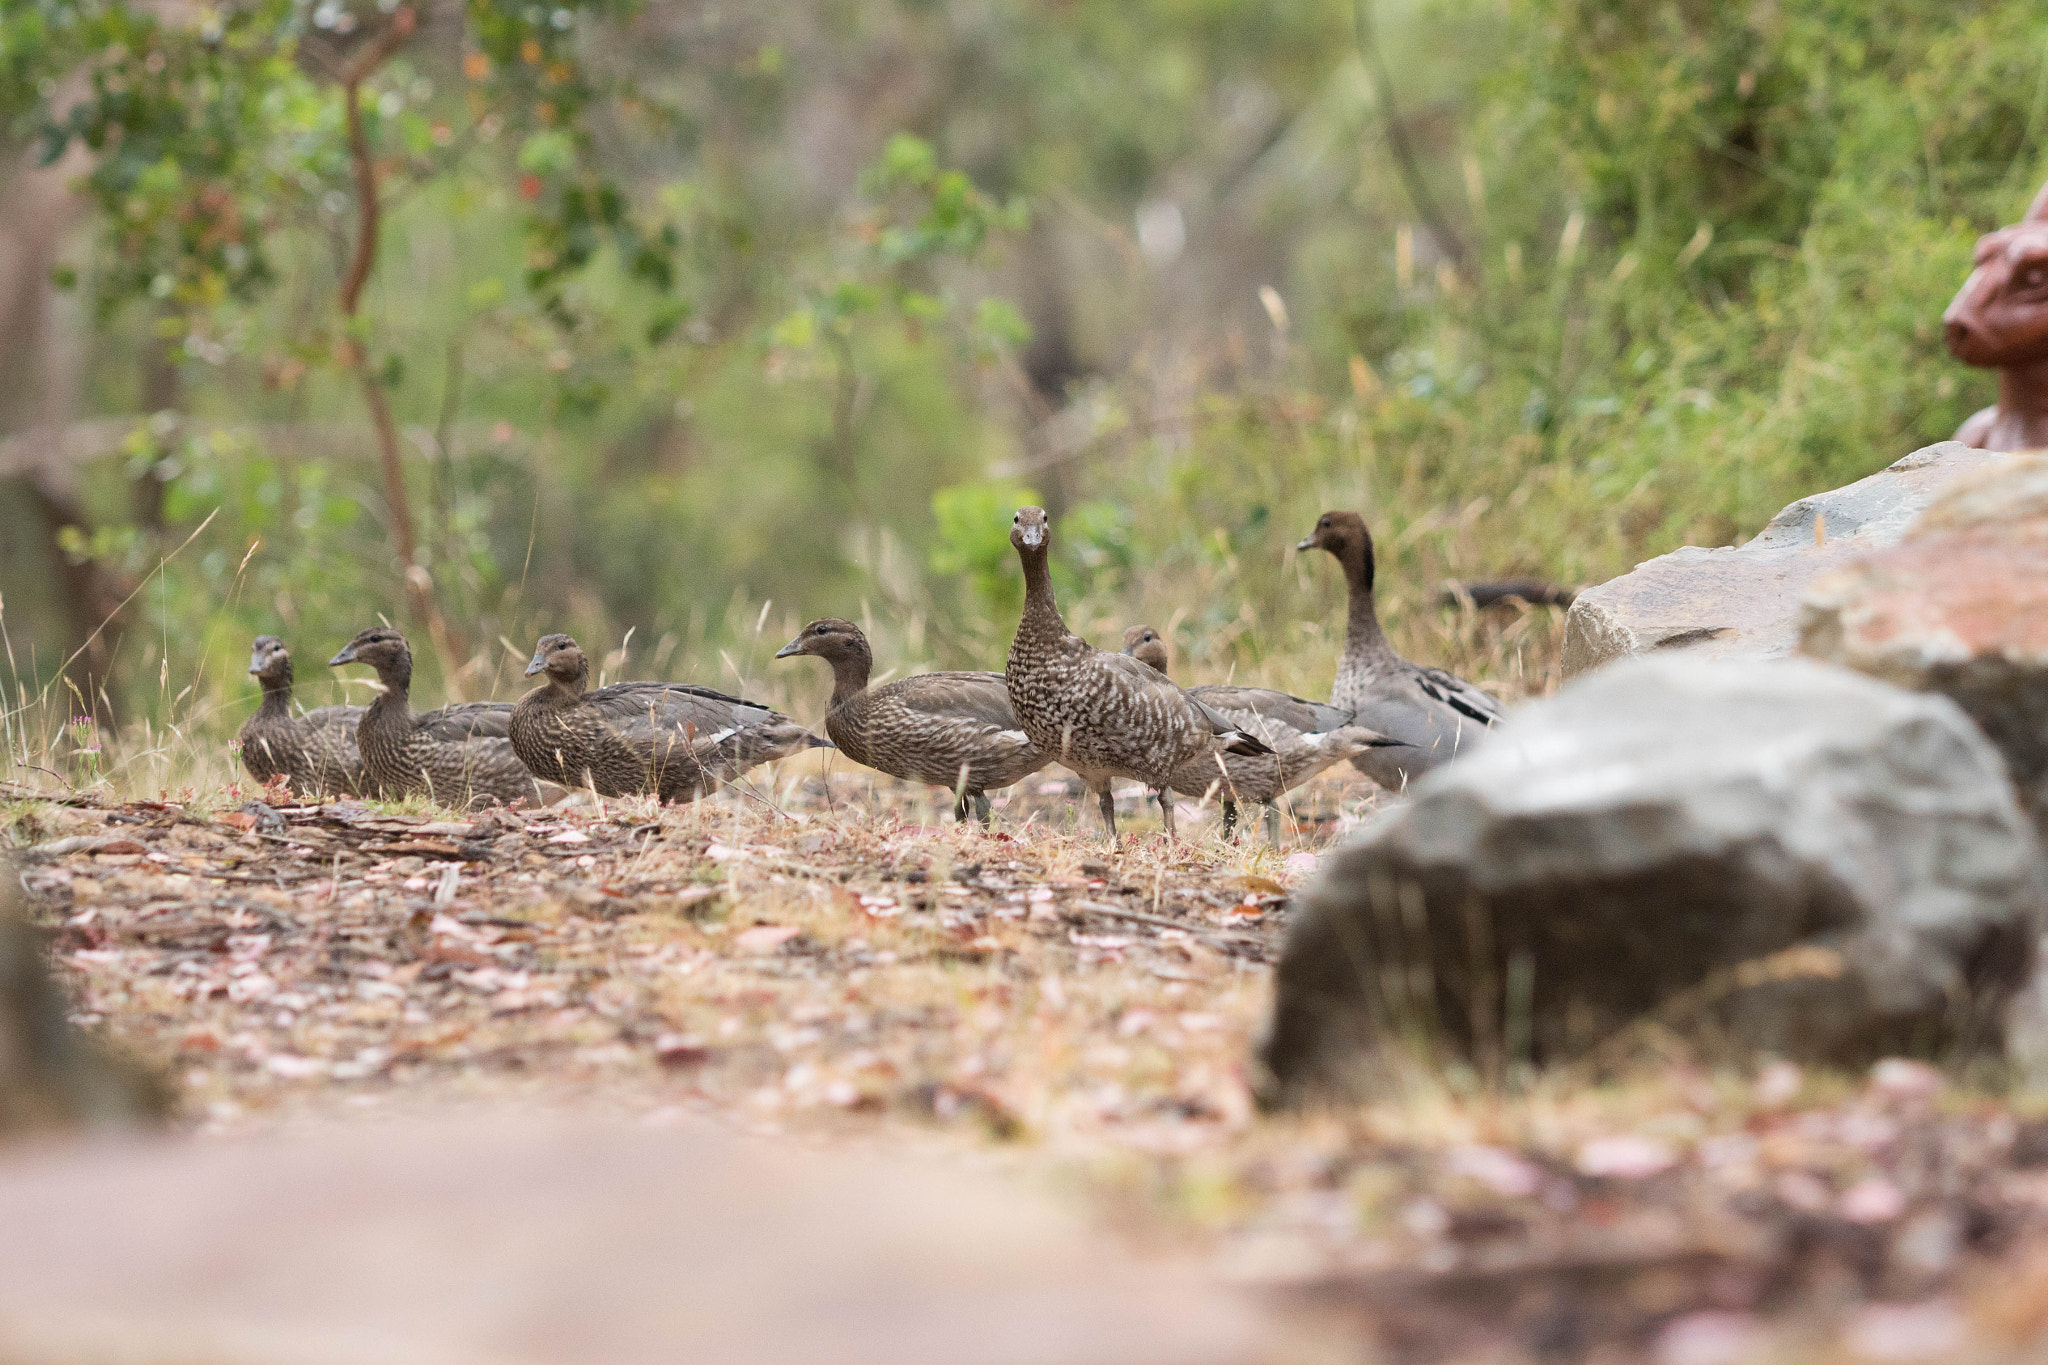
850,672
567,691
277,693
1362,633
396,698
1041,609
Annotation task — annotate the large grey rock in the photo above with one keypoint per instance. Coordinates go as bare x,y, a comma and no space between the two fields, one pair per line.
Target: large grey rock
1654,839
1960,607
496,1238
1743,601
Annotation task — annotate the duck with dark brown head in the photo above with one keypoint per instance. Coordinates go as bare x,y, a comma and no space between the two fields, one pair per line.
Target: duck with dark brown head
316,752
953,730
1102,714
459,756
678,741
1430,711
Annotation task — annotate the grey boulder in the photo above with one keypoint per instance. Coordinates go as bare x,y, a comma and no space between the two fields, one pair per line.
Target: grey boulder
1772,855
1744,600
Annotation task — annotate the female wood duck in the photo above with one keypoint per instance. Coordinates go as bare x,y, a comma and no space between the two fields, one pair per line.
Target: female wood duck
952,730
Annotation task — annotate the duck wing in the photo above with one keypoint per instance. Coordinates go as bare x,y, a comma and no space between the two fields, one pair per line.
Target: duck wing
1449,690
1250,706
980,697
651,710
465,721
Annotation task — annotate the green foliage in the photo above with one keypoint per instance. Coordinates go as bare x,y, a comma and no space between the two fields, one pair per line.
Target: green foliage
687,358
972,541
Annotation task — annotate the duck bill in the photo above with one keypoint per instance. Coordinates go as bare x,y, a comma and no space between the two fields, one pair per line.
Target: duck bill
255,663
539,662
793,648
347,656
1307,543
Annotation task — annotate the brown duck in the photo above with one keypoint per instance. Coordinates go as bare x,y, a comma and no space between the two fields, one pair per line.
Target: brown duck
952,730
1306,737
674,740
1102,714
1432,712
459,756
316,752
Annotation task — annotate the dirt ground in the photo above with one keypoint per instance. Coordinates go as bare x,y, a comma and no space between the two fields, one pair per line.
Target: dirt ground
831,957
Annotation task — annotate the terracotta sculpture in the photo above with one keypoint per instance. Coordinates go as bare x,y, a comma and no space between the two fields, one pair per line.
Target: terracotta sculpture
1999,321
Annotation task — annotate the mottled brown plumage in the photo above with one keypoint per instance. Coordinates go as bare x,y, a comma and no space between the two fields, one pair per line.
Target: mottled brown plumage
460,756
1429,710
951,730
315,752
1104,715
1306,737
674,740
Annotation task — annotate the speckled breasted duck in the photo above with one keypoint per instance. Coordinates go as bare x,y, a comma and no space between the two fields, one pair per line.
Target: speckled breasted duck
951,730
675,740
316,752
1306,737
459,755
1104,715
1433,712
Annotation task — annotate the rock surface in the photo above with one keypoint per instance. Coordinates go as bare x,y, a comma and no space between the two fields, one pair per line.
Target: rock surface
491,1239
1960,608
1744,600
1766,854
51,1075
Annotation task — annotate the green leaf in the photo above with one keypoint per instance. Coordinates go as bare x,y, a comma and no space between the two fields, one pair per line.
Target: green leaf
549,152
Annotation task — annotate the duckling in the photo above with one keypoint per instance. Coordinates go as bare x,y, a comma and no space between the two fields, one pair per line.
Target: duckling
675,740
460,755
315,752
1104,715
952,730
1306,737
1432,712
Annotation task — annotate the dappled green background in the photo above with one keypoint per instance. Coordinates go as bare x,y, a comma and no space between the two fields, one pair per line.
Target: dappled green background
1687,263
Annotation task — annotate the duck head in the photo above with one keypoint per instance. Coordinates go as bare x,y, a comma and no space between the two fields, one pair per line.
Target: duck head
1029,530
269,659
561,659
828,637
1147,646
383,649
1344,535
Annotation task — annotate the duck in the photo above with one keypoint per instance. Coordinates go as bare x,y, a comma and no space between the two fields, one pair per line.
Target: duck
677,741
316,752
953,730
1103,714
1306,736
460,755
1434,713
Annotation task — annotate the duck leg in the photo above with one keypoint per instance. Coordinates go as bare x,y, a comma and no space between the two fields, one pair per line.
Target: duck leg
1165,795
961,805
1108,804
1229,819
984,810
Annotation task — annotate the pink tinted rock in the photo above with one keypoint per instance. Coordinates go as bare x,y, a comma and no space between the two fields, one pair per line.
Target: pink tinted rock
1960,607
485,1239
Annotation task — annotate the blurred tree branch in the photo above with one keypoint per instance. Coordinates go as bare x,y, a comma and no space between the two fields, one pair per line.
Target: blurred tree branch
1404,151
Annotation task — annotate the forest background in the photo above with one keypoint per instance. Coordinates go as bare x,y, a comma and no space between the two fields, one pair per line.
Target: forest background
695,320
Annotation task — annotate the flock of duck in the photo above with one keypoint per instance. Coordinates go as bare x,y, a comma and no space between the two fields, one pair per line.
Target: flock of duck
1102,714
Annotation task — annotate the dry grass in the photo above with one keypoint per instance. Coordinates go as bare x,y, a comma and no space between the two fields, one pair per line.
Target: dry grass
819,956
